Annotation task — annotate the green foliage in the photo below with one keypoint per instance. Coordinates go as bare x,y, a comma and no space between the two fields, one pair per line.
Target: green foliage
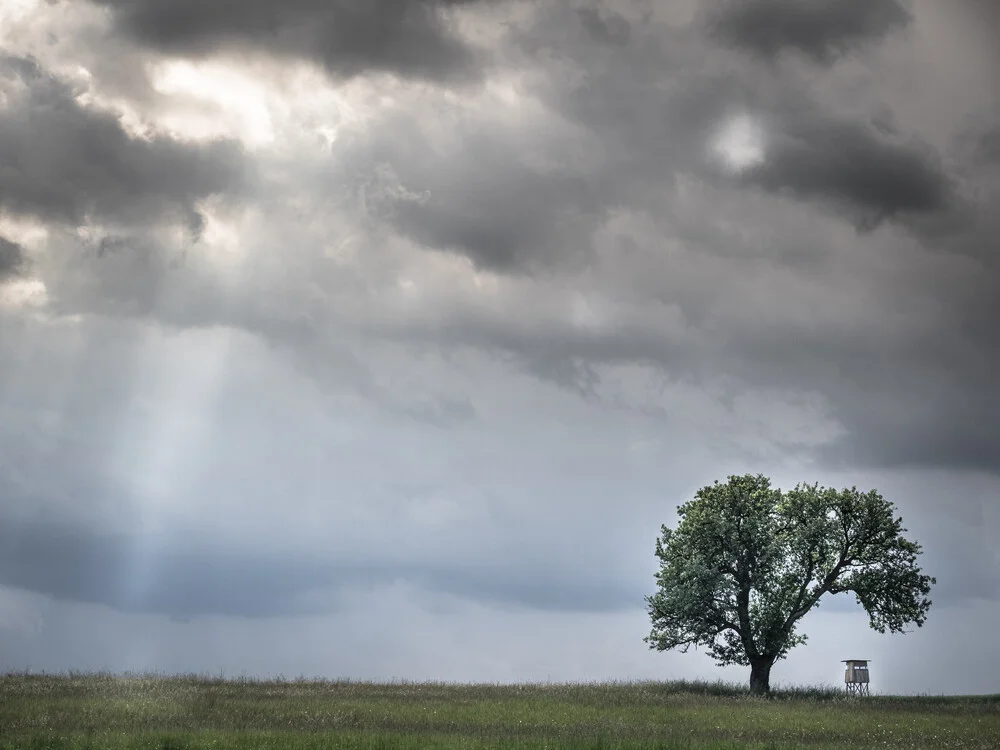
747,562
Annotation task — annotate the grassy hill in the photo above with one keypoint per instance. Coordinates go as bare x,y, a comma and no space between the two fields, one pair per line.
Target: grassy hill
106,711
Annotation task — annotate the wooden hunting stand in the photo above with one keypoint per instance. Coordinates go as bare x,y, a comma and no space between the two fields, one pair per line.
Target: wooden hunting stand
856,676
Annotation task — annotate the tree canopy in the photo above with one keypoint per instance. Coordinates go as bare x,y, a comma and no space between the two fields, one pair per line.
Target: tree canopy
747,562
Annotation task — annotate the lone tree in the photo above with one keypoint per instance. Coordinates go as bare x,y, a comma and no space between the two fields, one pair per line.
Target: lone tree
747,562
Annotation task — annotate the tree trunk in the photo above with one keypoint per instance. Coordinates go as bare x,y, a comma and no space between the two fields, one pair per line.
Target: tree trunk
760,676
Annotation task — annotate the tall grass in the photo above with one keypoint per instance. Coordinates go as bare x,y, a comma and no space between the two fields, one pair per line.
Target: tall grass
75,711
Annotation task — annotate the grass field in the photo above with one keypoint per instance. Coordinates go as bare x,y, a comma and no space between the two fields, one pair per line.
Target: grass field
105,711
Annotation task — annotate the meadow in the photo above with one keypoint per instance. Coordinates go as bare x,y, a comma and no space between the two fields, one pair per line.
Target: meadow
78,711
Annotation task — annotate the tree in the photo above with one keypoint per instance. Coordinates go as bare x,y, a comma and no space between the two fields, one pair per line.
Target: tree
747,562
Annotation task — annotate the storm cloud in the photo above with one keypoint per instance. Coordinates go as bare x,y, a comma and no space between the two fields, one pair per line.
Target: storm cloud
822,30
61,161
11,258
407,37
386,320
855,167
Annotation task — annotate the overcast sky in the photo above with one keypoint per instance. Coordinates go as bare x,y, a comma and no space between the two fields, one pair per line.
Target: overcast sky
377,340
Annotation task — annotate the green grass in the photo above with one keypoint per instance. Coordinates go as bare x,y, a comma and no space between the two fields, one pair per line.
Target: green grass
174,713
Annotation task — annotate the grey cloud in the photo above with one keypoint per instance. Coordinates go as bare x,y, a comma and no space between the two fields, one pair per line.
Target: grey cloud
609,27
652,109
65,162
639,109
65,562
119,275
854,166
184,575
445,413
11,258
980,143
757,283
523,200
893,429
503,216
487,197
907,394
989,147
983,18
406,37
930,404
488,194
396,633
649,105
822,30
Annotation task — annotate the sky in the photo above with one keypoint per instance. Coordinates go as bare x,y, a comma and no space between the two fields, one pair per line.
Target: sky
376,340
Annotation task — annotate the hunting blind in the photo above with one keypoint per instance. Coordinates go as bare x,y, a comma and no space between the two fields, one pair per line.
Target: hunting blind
856,676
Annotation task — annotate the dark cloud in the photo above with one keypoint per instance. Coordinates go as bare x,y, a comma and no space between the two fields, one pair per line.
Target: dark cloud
907,393
653,106
488,194
854,166
65,162
608,27
11,258
915,400
504,215
979,142
406,37
822,30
